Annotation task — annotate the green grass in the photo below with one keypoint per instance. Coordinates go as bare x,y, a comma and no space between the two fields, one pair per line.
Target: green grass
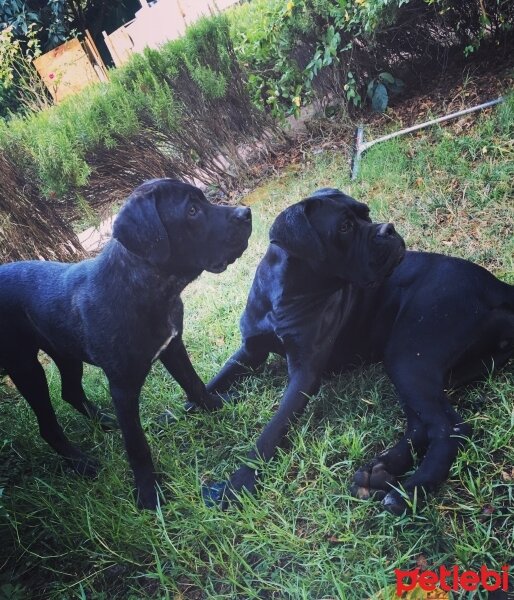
303,536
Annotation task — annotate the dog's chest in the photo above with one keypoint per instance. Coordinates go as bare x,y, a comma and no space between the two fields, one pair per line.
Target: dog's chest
171,328
164,345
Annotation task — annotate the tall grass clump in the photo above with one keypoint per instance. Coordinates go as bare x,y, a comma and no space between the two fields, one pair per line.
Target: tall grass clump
30,228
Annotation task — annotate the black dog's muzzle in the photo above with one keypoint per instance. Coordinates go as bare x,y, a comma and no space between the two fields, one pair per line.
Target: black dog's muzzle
238,230
242,214
389,250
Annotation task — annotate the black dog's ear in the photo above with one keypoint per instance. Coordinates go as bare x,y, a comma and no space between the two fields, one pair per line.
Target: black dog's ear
293,232
328,193
361,209
138,227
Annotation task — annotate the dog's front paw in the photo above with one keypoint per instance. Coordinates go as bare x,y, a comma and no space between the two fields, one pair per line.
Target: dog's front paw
216,495
225,493
211,402
208,402
372,481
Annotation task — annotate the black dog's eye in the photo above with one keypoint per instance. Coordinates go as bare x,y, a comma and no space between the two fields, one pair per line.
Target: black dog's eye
345,226
193,211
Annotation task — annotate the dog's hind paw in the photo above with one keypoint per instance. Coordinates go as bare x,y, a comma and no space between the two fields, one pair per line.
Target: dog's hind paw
106,421
166,418
84,465
395,503
372,481
100,417
148,497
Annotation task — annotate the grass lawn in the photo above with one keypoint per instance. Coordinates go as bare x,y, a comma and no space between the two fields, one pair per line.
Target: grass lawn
303,537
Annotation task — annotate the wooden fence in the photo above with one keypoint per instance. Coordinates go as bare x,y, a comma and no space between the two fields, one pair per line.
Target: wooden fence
70,67
158,22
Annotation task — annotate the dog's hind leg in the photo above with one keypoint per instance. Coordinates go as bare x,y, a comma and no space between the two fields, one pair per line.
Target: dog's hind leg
73,393
421,390
29,377
421,368
377,478
491,349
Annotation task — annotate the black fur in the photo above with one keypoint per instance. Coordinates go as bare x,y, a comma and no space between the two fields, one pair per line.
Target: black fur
328,295
119,311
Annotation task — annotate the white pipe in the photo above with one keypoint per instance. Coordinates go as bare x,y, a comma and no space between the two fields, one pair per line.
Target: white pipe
389,136
361,146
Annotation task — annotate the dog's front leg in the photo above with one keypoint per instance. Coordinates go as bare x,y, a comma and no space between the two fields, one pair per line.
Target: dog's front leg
251,355
304,381
126,402
176,360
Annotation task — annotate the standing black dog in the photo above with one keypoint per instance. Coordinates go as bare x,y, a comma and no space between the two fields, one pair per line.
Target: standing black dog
120,311
328,295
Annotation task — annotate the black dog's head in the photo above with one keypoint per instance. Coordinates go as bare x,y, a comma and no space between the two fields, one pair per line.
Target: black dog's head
174,227
334,233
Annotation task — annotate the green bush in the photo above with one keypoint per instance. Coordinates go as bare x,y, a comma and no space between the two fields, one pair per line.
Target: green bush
294,50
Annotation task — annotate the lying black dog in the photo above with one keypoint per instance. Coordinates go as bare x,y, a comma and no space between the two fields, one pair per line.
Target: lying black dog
328,295
120,311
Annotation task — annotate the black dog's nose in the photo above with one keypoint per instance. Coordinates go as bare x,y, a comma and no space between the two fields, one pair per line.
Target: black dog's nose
385,230
242,213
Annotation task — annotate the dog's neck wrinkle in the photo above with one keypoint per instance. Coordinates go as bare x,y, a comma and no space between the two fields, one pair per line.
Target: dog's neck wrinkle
307,292
303,279
138,274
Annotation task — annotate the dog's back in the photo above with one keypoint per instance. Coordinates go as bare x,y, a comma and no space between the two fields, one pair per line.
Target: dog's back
32,292
445,289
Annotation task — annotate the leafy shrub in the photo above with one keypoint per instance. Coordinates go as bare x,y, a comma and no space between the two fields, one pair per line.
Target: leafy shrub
21,89
298,49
